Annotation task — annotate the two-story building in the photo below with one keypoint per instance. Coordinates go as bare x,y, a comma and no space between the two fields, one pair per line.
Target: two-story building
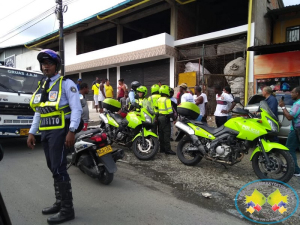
152,40
278,65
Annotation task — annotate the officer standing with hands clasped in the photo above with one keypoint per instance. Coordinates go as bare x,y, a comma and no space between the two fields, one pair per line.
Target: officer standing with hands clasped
165,111
57,115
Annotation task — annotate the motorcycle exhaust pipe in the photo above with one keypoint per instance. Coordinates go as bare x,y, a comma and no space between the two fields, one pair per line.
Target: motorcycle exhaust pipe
197,143
92,172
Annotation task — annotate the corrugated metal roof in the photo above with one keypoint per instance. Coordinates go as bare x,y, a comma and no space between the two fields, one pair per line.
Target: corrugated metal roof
280,11
276,48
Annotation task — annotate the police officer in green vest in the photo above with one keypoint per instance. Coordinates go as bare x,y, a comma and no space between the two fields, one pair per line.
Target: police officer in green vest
165,113
57,115
153,99
142,92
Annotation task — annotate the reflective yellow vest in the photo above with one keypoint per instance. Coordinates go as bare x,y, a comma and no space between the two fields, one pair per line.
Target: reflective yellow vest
52,117
140,102
164,106
153,99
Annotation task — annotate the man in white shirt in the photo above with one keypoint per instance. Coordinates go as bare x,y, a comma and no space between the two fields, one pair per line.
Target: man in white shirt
186,97
223,100
201,100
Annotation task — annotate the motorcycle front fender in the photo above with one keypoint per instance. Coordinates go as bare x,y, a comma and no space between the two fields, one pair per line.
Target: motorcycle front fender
109,163
268,146
146,134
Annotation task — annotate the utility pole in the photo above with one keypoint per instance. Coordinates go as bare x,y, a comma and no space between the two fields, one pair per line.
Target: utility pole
59,15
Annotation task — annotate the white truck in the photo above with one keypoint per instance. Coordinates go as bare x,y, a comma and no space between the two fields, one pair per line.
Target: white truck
16,89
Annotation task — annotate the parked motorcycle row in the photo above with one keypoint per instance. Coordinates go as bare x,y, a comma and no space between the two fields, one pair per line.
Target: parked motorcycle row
226,145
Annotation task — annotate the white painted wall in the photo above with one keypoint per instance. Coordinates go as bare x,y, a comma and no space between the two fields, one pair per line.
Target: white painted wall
149,42
70,47
28,59
251,54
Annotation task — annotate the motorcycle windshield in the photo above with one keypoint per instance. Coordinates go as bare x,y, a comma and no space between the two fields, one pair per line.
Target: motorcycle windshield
148,106
264,105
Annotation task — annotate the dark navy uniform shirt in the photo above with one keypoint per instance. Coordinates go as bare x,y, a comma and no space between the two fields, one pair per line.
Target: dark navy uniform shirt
273,104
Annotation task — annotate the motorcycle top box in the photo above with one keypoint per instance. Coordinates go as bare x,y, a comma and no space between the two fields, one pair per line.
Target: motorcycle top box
189,110
112,105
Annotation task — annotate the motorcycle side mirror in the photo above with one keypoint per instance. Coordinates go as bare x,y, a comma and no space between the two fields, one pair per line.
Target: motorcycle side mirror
1,153
237,100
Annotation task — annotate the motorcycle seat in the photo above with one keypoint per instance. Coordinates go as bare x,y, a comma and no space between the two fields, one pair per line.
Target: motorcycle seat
118,118
212,130
83,133
198,123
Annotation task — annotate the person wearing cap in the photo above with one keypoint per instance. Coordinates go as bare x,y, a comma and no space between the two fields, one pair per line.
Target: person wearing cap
57,108
79,81
186,96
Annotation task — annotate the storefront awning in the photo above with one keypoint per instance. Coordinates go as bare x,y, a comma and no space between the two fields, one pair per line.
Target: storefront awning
276,48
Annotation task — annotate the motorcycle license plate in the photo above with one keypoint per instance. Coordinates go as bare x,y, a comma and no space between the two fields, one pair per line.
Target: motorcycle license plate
105,150
24,132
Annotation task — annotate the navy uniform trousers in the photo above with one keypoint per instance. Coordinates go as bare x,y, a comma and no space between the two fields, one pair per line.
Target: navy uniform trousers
55,151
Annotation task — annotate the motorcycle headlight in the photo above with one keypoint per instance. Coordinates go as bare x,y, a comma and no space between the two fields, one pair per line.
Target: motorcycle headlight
273,125
147,118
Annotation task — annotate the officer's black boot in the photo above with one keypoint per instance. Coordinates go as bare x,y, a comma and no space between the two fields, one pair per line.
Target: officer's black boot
66,212
56,206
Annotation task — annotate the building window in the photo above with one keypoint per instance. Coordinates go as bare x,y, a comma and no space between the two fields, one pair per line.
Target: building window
293,34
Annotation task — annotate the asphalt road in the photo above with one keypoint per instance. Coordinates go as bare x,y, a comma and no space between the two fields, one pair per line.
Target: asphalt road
132,198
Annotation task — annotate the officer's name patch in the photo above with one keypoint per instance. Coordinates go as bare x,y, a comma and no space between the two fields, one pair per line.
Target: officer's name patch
74,89
53,96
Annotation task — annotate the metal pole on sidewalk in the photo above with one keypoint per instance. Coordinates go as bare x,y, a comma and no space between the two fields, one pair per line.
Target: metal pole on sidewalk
59,15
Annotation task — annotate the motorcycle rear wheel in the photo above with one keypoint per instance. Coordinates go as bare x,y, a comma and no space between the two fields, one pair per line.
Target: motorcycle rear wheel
106,177
182,154
282,163
148,151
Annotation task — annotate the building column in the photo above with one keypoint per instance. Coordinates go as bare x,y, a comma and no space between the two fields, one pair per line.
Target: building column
107,73
172,72
80,77
119,34
173,21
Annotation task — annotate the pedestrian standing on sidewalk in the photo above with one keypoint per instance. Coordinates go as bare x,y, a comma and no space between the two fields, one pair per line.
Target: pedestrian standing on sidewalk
293,141
186,96
79,81
85,116
109,91
165,113
201,101
101,95
57,115
221,112
122,87
95,89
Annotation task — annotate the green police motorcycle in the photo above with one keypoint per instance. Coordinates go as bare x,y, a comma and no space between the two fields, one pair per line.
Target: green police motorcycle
133,130
229,143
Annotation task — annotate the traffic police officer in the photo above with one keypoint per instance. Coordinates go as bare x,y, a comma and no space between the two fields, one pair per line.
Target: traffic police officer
165,113
142,92
153,99
57,115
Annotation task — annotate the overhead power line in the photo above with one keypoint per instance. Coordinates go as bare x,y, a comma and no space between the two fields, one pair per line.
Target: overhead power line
17,10
39,17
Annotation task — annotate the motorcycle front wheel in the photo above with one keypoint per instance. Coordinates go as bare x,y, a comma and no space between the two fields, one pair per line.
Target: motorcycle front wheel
147,150
282,165
187,157
106,177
